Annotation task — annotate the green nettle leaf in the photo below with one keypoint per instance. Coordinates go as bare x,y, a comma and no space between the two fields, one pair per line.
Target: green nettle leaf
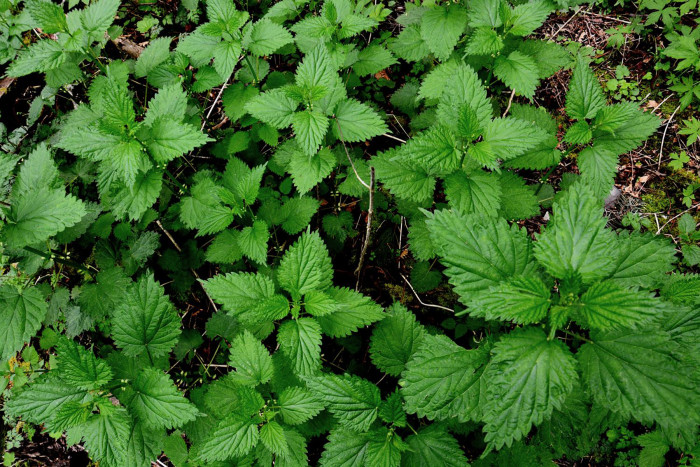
266,37
155,400
528,377
239,292
479,252
523,300
80,368
306,266
606,305
353,310
474,193
576,241
519,72
298,405
433,446
643,260
354,401
273,107
300,340
407,181
585,97
251,360
40,401
233,436
639,375
50,16
437,151
169,139
146,323
441,28
394,340
310,127
253,240
443,380
106,434
356,121
273,437
21,313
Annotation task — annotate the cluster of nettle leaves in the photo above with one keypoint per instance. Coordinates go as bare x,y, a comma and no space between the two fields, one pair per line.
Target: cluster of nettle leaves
585,328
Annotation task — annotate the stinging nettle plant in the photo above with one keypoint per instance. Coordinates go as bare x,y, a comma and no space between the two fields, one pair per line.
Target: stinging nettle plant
133,213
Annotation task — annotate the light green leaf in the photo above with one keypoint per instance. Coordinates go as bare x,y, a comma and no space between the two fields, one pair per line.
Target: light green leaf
169,139
266,37
523,300
373,59
576,241
232,436
21,313
300,340
519,72
441,28
528,377
310,127
298,405
79,367
146,322
239,292
273,437
443,380
357,122
354,401
353,311
156,401
157,52
479,192
607,306
251,360
253,241
433,445
305,266
394,340
585,97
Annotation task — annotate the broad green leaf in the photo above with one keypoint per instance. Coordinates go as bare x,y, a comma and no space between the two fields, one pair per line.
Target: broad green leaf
598,167
433,445
156,401
298,213
42,56
478,251
253,240
353,311
606,305
316,70
346,448
519,72
510,137
21,313
355,121
523,300
300,340
79,367
157,52
232,436
373,59
133,201
394,340
443,380
251,360
106,434
169,139
485,13
273,437
527,17
441,28
585,97
146,323
298,405
49,16
273,107
639,375
528,377
478,192
40,401
266,37
145,445
407,181
458,87
576,242
354,401
622,127
226,55
36,215
239,292
305,266
437,151
310,127
98,16
309,171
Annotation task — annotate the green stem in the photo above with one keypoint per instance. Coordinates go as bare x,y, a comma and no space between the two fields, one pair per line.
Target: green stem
174,180
57,258
577,336
552,169
252,70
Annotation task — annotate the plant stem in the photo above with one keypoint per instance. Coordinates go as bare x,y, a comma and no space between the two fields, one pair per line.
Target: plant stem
57,257
174,180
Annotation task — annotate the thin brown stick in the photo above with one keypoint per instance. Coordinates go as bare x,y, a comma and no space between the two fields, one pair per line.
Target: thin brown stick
430,305
510,102
347,153
194,273
663,138
368,229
